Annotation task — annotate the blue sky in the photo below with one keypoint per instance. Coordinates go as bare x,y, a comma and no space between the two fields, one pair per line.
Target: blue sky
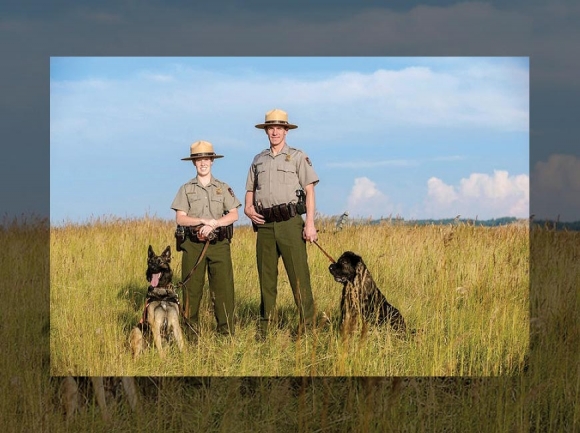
414,137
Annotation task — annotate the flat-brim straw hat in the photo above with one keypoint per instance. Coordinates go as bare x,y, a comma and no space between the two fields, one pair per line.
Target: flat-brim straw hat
276,117
201,149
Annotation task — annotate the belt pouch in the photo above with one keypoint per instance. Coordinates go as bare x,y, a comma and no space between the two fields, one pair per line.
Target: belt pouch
284,212
229,231
267,213
276,213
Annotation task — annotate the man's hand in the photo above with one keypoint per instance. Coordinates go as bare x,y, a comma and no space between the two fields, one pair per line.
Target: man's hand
309,233
251,213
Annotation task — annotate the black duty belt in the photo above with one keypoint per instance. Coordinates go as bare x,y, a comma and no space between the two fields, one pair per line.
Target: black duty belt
279,212
190,232
219,234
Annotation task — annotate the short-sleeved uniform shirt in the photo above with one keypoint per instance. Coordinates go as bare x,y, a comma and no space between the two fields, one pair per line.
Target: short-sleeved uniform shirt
279,176
209,201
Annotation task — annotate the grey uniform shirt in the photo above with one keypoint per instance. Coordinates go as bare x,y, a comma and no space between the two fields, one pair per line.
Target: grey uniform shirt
209,201
278,177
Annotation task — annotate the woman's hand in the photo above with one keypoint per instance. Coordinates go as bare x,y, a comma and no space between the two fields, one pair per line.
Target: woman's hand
203,234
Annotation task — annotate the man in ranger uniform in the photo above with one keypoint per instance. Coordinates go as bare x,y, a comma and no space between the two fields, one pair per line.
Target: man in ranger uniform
205,209
279,189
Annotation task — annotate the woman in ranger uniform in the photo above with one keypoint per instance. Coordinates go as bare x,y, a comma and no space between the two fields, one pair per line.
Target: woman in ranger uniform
207,208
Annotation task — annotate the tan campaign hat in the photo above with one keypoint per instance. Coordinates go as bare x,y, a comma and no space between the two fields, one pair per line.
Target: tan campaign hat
201,149
276,117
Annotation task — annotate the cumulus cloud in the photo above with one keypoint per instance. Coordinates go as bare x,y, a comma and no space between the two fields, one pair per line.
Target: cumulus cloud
556,188
490,93
482,195
366,199
439,192
373,164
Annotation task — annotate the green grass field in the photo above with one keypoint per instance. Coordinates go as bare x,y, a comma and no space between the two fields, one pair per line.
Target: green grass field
464,288
539,394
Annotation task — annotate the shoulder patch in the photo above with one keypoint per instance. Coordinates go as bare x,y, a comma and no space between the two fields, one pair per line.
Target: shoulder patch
308,161
231,191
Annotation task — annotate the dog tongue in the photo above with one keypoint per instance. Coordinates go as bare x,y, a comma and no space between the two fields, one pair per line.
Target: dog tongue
155,279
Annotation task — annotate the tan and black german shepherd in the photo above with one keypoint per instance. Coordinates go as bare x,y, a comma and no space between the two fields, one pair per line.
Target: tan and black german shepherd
161,313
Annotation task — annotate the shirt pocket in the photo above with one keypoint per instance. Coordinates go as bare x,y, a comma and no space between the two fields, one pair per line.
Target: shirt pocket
287,174
260,175
217,206
195,204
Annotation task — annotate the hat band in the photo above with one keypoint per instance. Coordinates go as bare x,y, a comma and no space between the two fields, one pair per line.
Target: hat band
201,155
285,122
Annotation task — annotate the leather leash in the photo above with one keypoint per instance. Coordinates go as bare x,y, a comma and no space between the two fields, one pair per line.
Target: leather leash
185,309
199,259
325,253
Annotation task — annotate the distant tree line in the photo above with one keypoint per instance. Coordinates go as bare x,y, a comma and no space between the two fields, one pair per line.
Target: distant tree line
557,225
494,222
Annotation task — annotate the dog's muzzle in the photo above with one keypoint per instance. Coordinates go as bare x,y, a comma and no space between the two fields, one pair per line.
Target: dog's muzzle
333,271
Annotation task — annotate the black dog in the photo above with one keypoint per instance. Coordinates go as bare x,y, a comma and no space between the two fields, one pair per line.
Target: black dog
361,298
162,306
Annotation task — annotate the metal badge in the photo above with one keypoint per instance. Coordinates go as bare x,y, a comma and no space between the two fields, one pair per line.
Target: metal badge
218,191
287,158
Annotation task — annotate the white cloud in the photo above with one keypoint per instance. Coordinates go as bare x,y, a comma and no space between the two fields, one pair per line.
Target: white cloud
371,164
162,78
391,162
556,188
480,195
366,200
496,96
449,95
439,192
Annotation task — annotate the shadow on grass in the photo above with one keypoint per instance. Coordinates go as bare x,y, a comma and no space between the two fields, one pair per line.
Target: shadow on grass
134,295
247,310
248,314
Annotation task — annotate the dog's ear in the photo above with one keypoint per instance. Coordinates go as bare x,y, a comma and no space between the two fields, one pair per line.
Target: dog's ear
351,257
150,251
360,274
167,253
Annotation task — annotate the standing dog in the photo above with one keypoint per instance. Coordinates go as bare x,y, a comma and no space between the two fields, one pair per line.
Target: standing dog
361,298
162,307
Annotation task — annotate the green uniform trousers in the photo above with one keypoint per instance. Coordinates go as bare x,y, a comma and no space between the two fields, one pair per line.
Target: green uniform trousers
283,239
217,262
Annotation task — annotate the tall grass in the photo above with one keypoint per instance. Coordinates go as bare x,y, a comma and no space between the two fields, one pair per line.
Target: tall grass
463,288
542,396
24,325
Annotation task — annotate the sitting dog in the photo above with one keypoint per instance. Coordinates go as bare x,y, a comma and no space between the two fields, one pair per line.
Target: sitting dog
361,298
161,307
